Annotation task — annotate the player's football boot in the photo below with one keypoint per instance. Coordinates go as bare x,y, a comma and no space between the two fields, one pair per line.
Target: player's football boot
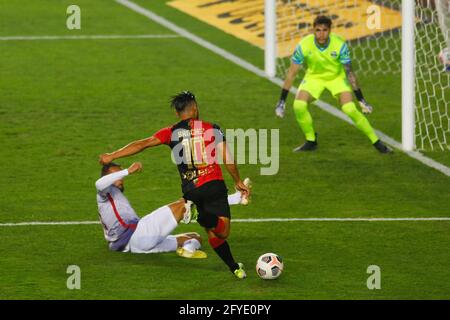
307,146
191,213
240,273
381,147
245,200
197,254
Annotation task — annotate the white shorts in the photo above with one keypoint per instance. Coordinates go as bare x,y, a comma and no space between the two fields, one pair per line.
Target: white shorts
152,233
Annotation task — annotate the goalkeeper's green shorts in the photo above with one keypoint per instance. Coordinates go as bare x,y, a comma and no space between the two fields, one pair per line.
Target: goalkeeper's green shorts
315,87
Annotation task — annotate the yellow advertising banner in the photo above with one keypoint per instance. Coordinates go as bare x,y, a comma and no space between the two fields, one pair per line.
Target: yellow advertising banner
352,19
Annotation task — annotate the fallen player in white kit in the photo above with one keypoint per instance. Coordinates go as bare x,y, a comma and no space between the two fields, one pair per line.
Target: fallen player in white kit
126,232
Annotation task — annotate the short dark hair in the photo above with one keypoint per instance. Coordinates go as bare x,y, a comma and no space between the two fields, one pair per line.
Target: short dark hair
182,100
323,20
106,167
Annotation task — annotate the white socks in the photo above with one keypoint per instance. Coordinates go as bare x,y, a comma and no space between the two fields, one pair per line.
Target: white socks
191,245
234,198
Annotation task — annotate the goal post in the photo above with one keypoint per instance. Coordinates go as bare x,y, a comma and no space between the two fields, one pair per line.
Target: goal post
407,44
270,37
408,75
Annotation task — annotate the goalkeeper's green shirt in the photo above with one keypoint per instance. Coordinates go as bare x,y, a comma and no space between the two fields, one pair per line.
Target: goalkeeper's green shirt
323,63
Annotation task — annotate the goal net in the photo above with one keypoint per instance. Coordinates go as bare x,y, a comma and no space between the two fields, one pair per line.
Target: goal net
373,30
432,79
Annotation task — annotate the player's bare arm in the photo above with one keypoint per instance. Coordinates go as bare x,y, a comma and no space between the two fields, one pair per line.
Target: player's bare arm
351,76
232,168
365,107
289,80
290,76
135,167
116,175
130,149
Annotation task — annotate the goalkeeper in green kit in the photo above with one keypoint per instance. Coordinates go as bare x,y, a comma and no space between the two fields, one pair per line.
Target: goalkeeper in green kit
327,58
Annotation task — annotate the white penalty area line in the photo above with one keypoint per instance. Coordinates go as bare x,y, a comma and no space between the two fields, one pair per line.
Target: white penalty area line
47,223
250,67
90,37
340,219
65,223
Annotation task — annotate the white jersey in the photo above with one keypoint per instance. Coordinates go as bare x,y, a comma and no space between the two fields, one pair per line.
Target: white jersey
117,216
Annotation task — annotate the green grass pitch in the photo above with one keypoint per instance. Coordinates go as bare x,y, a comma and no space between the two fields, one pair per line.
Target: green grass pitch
63,102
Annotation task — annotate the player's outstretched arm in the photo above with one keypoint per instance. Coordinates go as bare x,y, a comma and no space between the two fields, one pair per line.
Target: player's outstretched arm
231,167
290,76
365,106
135,167
129,149
289,80
107,180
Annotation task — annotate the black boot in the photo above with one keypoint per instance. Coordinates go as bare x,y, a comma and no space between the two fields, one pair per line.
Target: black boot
381,147
307,146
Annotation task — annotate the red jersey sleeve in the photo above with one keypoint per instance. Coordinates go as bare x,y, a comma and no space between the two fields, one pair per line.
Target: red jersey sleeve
164,135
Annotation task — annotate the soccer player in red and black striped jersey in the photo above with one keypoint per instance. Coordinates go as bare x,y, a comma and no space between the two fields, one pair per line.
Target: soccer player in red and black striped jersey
198,147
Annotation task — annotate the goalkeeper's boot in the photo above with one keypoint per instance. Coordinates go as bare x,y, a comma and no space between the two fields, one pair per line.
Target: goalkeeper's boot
381,147
197,254
307,146
240,273
191,213
245,200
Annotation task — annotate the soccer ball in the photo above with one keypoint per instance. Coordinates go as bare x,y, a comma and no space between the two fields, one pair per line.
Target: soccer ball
269,266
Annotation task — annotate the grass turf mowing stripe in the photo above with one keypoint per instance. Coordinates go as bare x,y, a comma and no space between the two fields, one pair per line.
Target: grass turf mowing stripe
90,37
58,223
250,67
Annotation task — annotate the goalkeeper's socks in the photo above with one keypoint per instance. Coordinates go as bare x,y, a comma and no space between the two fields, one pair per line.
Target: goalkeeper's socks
304,119
222,248
360,121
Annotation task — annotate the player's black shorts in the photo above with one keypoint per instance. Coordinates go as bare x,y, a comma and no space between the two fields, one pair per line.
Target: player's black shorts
211,200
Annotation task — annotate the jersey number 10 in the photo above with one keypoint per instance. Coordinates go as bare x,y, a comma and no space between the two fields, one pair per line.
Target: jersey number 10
194,151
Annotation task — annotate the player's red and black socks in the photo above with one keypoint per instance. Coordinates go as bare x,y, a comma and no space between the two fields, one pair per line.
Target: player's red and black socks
222,248
220,226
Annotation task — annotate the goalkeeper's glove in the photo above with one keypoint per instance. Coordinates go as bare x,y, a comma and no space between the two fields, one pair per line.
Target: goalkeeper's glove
366,108
281,105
